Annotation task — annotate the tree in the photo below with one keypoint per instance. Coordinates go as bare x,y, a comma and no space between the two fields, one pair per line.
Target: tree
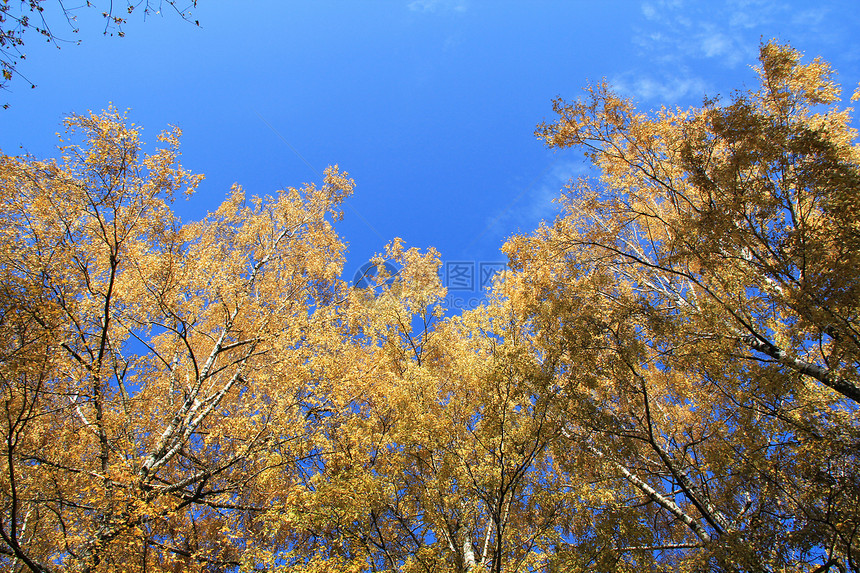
437,458
20,16
154,374
666,379
697,314
211,396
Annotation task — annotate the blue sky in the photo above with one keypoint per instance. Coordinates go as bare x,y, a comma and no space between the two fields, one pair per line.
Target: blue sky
430,105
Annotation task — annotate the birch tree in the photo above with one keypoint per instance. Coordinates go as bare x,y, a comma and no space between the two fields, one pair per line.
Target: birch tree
154,372
697,305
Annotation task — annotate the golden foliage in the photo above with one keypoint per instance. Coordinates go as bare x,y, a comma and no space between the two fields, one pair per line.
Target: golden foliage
156,374
666,379
698,307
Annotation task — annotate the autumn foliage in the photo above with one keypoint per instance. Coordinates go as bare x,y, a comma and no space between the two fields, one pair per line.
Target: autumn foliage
665,379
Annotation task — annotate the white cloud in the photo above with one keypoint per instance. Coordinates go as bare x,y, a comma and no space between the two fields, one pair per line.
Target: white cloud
813,16
543,205
678,43
676,32
715,44
729,48
649,11
437,5
536,201
669,90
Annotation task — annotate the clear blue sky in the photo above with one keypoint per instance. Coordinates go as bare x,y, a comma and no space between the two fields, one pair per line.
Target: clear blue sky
430,105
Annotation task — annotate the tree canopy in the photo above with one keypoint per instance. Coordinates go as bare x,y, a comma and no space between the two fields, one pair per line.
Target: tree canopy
665,379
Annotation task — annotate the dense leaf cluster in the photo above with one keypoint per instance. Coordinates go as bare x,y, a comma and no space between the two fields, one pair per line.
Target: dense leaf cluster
666,378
